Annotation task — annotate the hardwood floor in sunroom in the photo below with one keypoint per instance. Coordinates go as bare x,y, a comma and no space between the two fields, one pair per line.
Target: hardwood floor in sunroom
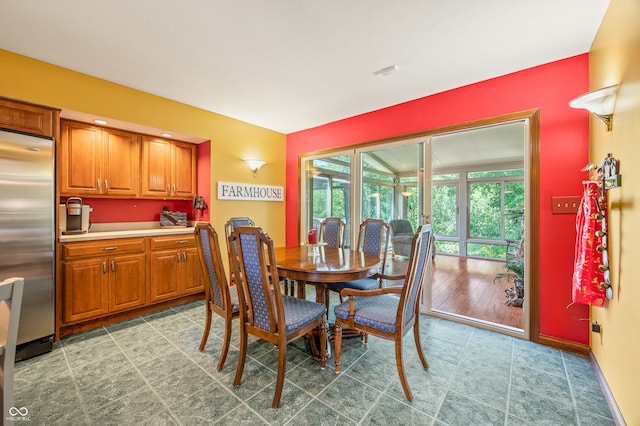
465,286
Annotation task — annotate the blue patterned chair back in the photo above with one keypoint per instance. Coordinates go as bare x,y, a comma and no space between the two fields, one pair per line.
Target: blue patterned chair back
332,232
255,254
209,251
373,238
419,260
230,226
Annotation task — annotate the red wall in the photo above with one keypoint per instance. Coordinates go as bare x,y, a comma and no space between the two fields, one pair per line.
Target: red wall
107,210
564,145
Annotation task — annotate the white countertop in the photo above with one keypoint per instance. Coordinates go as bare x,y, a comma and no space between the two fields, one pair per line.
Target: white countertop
107,235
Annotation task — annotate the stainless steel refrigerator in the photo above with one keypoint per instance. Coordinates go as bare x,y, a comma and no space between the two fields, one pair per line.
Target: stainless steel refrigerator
27,191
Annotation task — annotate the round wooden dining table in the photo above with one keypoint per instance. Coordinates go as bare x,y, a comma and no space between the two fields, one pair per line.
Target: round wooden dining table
319,265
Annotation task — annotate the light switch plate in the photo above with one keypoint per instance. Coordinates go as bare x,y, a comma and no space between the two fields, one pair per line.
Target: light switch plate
565,205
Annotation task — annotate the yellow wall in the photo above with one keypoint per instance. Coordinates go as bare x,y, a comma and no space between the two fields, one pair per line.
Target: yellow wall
615,58
231,140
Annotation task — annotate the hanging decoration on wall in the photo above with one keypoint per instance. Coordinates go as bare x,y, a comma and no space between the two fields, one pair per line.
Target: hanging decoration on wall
591,276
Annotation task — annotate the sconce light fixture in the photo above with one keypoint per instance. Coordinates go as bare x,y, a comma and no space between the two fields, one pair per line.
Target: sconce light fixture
255,165
600,103
406,193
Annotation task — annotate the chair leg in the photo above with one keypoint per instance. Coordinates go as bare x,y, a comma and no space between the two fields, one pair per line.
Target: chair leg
337,340
327,295
323,342
225,343
282,365
243,355
399,363
207,328
416,334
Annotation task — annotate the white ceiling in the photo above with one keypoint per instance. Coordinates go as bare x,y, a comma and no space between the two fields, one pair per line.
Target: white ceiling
289,65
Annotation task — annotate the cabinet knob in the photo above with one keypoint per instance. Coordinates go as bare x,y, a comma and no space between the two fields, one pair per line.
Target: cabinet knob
99,186
168,189
106,186
178,256
174,189
113,266
104,267
184,256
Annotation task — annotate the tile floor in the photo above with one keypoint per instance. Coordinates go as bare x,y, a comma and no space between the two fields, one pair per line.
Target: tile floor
148,371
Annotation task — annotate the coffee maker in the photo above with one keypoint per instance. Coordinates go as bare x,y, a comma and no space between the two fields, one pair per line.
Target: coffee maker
74,216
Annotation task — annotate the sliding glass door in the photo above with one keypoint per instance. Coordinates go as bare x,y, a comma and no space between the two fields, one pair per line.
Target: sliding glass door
387,183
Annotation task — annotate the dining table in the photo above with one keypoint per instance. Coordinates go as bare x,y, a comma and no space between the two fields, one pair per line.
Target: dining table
318,265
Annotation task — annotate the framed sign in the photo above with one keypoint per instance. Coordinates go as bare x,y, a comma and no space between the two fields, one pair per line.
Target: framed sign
249,192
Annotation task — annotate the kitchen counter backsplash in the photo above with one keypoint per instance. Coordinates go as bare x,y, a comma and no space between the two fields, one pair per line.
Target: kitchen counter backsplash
104,231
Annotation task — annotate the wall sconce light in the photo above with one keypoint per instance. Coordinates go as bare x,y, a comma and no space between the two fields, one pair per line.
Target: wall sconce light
406,193
600,103
255,165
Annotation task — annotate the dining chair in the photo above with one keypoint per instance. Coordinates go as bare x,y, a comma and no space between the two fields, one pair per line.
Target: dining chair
265,312
389,312
373,238
220,297
228,229
332,231
10,304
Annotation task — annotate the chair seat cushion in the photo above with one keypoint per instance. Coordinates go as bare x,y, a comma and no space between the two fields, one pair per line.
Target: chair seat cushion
377,311
300,312
361,284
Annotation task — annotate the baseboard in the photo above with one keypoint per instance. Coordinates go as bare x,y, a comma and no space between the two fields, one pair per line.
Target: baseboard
565,345
608,395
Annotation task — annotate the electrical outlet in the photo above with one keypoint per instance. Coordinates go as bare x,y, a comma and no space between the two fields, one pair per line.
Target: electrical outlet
565,205
595,327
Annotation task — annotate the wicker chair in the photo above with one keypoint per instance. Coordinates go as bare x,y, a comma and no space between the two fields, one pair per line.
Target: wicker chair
401,236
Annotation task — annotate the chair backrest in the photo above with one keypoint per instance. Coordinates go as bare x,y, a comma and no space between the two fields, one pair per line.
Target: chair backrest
373,238
332,232
208,245
260,305
228,229
401,227
419,261
11,291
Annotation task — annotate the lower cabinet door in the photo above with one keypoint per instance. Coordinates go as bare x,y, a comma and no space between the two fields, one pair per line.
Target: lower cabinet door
192,279
127,282
86,289
164,275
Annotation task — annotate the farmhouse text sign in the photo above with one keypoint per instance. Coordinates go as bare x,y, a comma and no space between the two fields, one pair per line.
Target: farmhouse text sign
243,191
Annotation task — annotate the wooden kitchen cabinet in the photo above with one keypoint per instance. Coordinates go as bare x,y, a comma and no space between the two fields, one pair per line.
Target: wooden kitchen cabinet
102,277
27,118
174,268
98,162
168,168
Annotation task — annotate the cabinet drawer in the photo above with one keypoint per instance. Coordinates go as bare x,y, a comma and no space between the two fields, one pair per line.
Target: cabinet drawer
102,248
174,241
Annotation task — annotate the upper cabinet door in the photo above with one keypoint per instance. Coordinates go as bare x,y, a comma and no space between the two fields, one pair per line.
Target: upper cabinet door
156,167
99,162
184,170
80,157
28,118
120,163
168,168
